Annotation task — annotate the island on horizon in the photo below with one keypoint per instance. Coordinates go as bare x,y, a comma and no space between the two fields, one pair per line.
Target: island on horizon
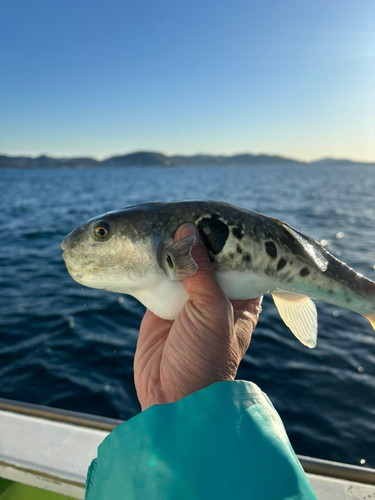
152,159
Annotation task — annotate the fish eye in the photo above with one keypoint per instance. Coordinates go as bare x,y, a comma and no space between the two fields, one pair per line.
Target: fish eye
101,231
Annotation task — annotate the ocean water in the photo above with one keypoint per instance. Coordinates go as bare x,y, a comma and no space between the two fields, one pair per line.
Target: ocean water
72,347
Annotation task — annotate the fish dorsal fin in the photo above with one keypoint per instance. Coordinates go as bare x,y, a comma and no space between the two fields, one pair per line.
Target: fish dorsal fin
175,258
313,248
299,314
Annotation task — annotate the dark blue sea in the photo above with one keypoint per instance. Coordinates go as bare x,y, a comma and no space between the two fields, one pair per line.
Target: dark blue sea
71,347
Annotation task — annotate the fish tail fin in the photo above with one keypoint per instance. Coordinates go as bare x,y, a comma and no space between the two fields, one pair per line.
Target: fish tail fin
371,319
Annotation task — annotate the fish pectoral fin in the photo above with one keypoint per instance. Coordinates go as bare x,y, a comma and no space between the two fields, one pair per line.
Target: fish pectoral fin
176,260
299,314
371,319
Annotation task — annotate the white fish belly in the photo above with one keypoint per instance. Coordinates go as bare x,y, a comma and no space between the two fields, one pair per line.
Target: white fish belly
165,298
245,285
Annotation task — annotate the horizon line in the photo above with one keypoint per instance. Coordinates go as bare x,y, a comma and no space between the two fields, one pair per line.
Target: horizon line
104,158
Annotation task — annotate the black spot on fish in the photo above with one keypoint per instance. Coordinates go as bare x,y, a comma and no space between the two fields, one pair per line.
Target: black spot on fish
246,257
238,231
271,249
347,298
304,271
214,233
231,255
211,259
281,264
239,249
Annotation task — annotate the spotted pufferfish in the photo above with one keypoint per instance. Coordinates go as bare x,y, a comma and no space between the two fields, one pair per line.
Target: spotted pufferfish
132,251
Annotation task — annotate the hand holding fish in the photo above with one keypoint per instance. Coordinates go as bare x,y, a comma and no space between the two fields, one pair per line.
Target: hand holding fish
204,344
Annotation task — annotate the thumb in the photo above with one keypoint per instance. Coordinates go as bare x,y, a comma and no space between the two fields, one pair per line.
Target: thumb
202,287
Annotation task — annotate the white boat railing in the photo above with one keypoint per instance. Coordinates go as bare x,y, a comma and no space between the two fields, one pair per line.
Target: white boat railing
58,415
311,465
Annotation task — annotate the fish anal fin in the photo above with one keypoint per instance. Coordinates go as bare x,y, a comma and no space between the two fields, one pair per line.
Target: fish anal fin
299,314
371,319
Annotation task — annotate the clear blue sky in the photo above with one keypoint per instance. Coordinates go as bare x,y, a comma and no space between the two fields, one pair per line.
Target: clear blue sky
289,77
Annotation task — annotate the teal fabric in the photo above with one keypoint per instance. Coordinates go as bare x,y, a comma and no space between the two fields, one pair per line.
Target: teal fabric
223,442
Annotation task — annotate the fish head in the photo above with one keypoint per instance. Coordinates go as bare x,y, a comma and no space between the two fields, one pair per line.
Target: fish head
117,251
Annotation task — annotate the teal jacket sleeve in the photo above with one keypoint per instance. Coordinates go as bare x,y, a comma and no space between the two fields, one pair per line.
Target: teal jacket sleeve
225,441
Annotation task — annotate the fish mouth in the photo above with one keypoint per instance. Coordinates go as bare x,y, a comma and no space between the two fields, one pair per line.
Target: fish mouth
65,243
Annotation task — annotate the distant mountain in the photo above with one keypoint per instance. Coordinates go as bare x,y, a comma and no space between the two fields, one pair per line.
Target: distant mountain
152,159
140,159
335,161
45,162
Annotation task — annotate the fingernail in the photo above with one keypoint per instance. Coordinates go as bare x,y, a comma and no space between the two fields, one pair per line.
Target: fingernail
189,230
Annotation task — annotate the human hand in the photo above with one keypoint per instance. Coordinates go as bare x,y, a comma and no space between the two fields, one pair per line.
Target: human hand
205,343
